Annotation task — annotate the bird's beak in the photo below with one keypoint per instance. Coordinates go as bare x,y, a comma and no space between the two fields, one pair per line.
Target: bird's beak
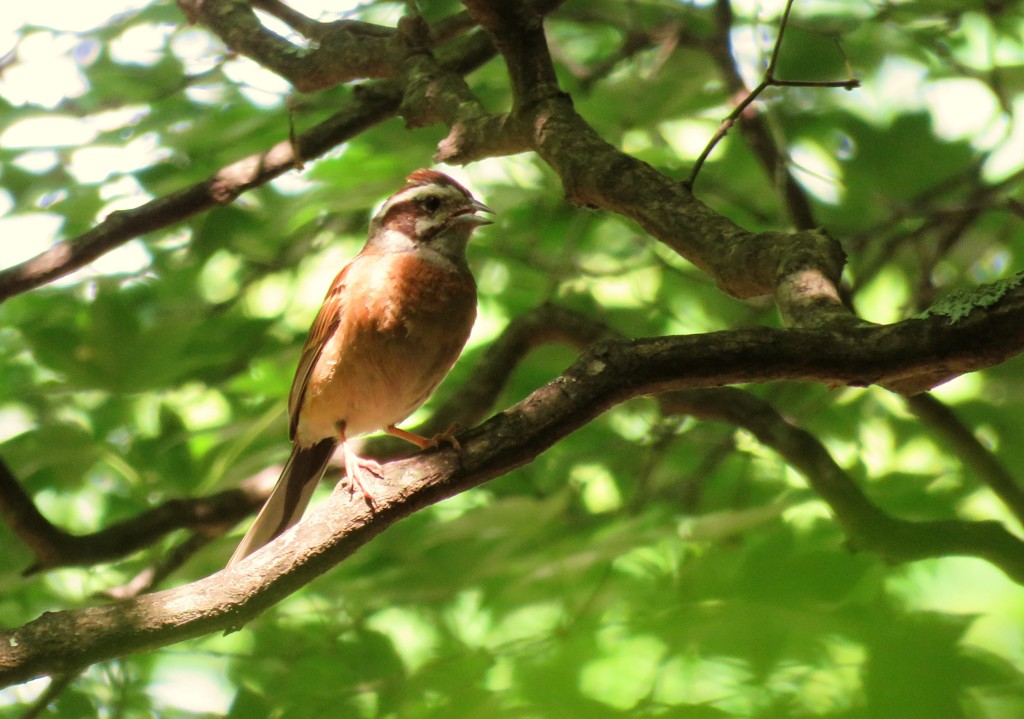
470,217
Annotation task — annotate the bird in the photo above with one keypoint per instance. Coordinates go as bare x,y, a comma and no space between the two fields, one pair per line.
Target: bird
392,324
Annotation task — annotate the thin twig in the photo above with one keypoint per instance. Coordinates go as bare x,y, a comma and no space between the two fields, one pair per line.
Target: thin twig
783,24
58,683
768,80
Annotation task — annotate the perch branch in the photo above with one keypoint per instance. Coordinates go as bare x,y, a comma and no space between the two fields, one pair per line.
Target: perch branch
606,374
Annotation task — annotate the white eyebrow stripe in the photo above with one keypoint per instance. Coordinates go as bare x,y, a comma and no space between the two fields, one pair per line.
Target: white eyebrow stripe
418,192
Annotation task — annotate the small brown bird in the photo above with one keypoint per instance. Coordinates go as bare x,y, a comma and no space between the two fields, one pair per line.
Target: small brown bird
392,324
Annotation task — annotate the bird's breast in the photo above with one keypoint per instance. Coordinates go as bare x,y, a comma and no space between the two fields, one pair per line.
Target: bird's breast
405,320
415,285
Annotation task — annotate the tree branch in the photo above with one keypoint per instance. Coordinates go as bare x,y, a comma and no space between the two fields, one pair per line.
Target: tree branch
210,517
802,269
53,547
608,373
345,50
432,93
944,423
372,103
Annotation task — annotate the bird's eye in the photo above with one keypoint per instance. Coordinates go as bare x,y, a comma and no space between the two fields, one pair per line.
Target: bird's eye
431,203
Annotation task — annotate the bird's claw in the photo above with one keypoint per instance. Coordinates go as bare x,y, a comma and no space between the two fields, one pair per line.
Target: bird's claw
355,466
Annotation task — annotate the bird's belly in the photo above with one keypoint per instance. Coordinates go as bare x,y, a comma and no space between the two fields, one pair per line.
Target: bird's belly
363,394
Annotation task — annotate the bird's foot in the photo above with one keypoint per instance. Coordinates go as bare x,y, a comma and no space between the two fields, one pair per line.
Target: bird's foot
446,437
356,469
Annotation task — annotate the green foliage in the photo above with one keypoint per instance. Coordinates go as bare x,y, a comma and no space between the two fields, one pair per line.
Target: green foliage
646,566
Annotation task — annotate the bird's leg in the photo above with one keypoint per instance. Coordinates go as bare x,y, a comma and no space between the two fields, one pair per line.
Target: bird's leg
446,437
355,466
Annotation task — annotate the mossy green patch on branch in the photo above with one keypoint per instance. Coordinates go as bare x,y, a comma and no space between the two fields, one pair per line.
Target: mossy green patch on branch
959,304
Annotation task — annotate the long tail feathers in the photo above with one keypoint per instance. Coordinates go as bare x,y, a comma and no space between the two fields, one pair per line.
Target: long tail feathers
288,501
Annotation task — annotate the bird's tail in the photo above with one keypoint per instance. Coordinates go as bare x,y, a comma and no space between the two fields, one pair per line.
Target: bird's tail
288,501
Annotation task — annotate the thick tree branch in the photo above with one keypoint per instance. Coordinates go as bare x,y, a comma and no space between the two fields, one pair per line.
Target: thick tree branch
608,373
432,92
344,50
209,517
339,52
801,269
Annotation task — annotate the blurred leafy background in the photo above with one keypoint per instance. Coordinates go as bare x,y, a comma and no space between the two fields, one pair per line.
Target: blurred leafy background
644,567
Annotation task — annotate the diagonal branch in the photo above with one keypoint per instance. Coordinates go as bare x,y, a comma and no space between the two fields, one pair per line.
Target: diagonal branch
373,102
801,269
209,517
608,373
942,421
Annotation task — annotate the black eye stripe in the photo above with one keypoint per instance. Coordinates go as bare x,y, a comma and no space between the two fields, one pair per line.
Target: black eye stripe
431,203
413,206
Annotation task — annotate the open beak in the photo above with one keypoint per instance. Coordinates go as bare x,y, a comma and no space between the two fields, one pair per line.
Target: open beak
470,217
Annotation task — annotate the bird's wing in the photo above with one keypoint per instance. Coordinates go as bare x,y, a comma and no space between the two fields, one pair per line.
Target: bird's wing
326,322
